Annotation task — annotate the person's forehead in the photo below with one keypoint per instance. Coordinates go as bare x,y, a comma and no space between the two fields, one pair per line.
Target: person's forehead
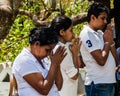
103,14
51,46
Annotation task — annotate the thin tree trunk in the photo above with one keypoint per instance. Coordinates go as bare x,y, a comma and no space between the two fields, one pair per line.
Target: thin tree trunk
117,21
8,13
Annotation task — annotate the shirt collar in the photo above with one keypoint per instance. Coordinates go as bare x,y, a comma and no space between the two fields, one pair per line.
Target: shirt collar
91,30
60,43
26,51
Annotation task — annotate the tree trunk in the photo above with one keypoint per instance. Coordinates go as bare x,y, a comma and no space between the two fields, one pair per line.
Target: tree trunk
8,13
117,21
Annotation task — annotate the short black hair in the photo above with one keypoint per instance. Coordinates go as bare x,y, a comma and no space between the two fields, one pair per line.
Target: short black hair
95,9
44,35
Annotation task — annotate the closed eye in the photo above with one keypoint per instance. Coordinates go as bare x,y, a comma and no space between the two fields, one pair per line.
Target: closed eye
47,50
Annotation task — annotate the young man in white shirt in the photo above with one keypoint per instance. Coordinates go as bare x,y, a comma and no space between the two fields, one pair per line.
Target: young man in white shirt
98,52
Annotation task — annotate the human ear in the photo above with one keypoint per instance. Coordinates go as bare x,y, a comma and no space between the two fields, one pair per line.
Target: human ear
37,43
61,32
93,17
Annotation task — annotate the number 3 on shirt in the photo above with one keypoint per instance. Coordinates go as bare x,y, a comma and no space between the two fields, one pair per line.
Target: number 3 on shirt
89,43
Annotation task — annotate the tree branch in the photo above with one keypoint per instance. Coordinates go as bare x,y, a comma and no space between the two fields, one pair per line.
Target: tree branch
82,17
76,20
25,12
8,10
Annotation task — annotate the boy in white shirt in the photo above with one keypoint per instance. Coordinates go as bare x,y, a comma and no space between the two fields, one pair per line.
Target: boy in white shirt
98,52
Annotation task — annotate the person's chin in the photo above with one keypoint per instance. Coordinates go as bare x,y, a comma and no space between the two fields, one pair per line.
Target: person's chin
104,27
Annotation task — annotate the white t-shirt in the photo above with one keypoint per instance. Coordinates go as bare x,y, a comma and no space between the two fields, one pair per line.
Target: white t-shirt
92,41
68,70
26,63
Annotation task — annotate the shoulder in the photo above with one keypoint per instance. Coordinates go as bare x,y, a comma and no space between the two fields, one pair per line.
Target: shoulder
58,45
86,32
22,61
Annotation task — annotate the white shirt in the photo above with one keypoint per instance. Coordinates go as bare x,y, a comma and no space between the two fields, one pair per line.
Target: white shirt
92,41
68,70
26,63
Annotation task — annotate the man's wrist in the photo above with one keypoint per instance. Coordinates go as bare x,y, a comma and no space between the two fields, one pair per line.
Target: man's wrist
107,43
112,44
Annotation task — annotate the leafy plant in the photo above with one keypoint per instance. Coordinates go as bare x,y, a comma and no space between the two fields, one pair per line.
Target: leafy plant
17,38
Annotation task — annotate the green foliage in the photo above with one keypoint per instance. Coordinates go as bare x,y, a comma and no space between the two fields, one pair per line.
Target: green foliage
74,9
17,37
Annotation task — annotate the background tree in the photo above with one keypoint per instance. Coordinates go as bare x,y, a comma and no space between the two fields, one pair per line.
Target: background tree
117,21
18,16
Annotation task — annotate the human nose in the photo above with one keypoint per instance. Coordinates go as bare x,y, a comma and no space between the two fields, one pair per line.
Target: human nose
105,21
73,35
49,53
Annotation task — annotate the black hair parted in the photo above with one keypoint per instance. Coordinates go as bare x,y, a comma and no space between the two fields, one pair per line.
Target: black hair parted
60,22
44,35
95,9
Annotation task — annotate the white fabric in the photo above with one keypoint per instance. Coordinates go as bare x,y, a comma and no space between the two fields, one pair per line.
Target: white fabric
68,70
26,63
92,41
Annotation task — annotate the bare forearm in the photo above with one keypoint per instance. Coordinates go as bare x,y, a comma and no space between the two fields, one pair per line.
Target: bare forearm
59,79
49,80
101,55
80,62
75,61
105,51
76,75
41,84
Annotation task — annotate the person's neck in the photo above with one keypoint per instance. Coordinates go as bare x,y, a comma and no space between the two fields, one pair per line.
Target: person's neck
33,53
41,63
62,40
30,49
93,28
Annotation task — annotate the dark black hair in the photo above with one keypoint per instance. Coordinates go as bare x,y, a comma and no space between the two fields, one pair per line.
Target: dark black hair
95,9
44,35
60,22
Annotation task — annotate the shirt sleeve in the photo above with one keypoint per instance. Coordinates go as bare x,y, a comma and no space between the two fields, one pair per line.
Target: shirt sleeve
90,41
26,66
67,64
